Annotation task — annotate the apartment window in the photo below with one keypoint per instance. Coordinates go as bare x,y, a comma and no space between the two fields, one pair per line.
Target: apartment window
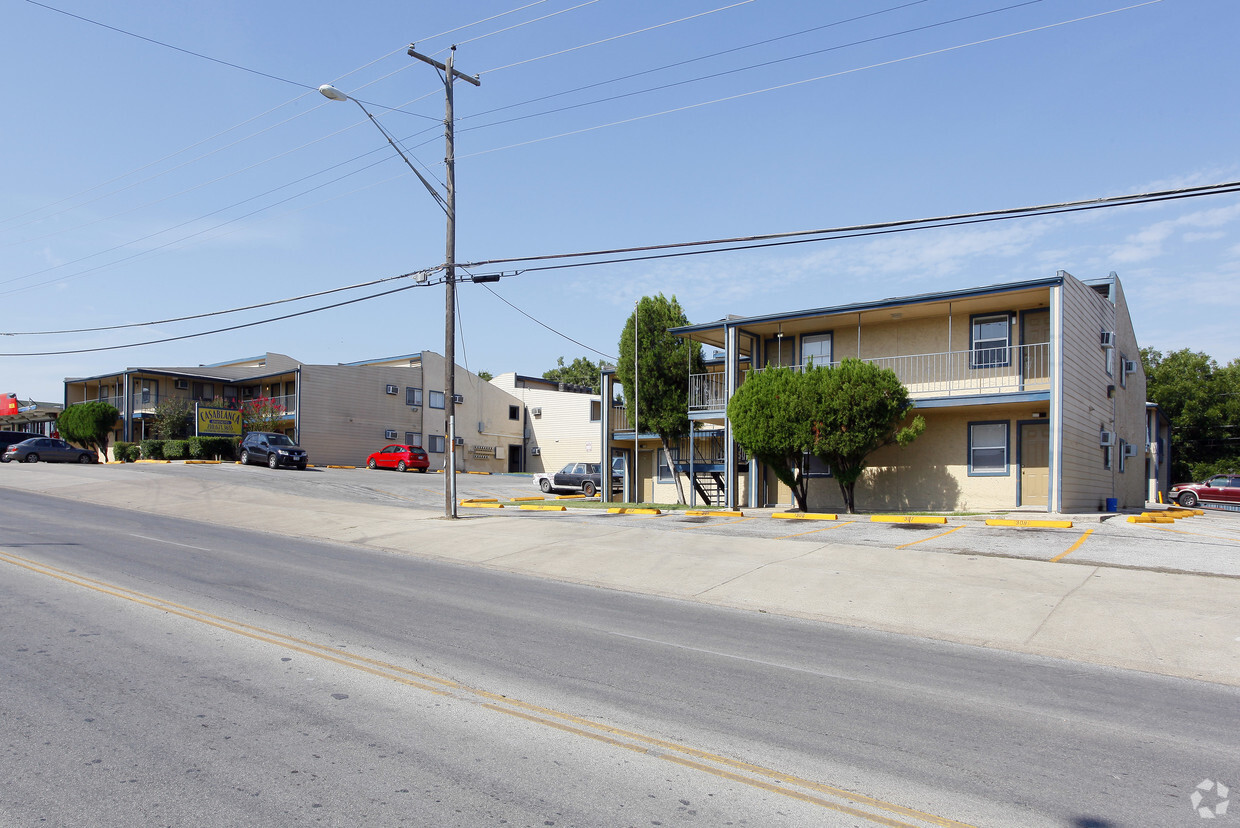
437,443
814,466
202,390
665,471
816,350
988,449
1122,460
150,391
436,399
413,438
1110,361
1123,383
990,340
596,410
514,412
413,396
1106,456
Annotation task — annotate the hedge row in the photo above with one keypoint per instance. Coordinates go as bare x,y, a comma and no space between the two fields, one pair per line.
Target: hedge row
195,448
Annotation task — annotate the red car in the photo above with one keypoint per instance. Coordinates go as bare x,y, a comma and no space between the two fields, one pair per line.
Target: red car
401,458
1221,488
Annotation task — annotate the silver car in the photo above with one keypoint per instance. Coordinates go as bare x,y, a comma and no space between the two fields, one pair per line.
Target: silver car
49,450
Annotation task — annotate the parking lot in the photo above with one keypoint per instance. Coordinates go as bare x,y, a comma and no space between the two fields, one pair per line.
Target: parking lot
1207,544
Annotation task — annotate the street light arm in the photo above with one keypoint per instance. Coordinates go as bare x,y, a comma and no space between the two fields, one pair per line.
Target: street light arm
332,93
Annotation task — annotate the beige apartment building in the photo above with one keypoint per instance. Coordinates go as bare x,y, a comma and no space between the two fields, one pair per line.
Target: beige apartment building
338,413
562,423
1033,395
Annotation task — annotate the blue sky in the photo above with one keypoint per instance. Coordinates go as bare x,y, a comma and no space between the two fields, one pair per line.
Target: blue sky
143,183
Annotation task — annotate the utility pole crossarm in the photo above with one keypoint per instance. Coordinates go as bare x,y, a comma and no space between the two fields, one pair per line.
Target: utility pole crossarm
442,68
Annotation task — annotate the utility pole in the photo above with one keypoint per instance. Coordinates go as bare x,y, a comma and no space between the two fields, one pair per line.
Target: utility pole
448,74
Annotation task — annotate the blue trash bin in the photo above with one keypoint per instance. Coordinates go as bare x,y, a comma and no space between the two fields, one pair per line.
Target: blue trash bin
1112,504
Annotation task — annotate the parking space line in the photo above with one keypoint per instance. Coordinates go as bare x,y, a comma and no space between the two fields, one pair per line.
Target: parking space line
1073,547
1197,534
822,529
932,537
724,523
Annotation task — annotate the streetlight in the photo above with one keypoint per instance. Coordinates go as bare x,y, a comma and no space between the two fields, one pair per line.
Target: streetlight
448,205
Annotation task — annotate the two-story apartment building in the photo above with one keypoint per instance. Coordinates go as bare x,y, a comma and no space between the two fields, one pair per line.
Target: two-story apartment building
338,413
561,423
1033,395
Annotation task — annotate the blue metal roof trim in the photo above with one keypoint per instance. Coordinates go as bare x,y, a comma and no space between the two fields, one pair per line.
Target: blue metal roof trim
876,305
982,399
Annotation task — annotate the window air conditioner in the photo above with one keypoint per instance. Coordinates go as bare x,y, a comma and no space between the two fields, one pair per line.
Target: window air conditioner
535,451
1108,339
1130,450
1106,438
392,389
1130,366
390,434
457,399
182,385
458,441
536,411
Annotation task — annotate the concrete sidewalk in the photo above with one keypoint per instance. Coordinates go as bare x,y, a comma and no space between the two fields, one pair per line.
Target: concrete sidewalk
1173,624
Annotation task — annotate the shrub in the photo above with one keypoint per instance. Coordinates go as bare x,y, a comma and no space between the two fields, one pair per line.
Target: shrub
133,453
152,449
120,451
176,449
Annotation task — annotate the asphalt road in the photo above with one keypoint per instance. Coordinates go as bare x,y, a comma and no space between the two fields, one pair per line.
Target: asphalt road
163,672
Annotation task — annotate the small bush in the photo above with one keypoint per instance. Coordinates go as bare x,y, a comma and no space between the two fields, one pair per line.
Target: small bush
152,449
196,449
133,453
120,451
176,449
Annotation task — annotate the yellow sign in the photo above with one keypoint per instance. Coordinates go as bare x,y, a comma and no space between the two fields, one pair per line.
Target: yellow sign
218,422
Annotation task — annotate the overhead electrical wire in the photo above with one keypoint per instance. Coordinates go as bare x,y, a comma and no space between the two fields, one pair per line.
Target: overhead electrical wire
804,81
544,324
1149,2
739,242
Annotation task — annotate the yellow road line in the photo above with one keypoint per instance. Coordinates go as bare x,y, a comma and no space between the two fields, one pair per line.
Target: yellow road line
821,529
1073,547
684,755
932,537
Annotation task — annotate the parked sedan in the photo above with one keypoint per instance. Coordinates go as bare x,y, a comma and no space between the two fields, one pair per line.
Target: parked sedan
1221,488
49,450
401,458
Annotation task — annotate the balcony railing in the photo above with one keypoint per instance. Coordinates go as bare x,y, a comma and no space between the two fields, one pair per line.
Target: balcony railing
1005,370
146,403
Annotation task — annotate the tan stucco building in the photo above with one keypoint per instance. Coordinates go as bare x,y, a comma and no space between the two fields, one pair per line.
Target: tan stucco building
338,413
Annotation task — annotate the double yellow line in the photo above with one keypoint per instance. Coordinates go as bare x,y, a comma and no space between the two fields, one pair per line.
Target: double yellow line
854,804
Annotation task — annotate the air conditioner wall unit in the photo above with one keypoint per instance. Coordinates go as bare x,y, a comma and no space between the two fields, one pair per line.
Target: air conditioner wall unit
1130,450
1130,366
1106,438
392,389
536,411
457,399
458,441
390,434
1107,339
182,385
535,451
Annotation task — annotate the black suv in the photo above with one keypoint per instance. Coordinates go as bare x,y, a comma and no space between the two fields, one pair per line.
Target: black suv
271,448
8,438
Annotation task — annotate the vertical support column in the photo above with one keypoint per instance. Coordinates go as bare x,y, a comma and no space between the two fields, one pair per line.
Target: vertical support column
731,381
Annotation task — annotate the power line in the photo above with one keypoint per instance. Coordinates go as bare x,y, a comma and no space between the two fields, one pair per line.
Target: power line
545,325
371,283
855,230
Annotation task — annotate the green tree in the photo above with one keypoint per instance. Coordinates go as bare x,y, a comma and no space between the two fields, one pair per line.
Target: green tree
660,372
1202,403
171,419
261,414
772,418
580,371
485,376
858,409
88,424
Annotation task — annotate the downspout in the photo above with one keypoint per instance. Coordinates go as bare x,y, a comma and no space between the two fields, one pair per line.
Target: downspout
1055,497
